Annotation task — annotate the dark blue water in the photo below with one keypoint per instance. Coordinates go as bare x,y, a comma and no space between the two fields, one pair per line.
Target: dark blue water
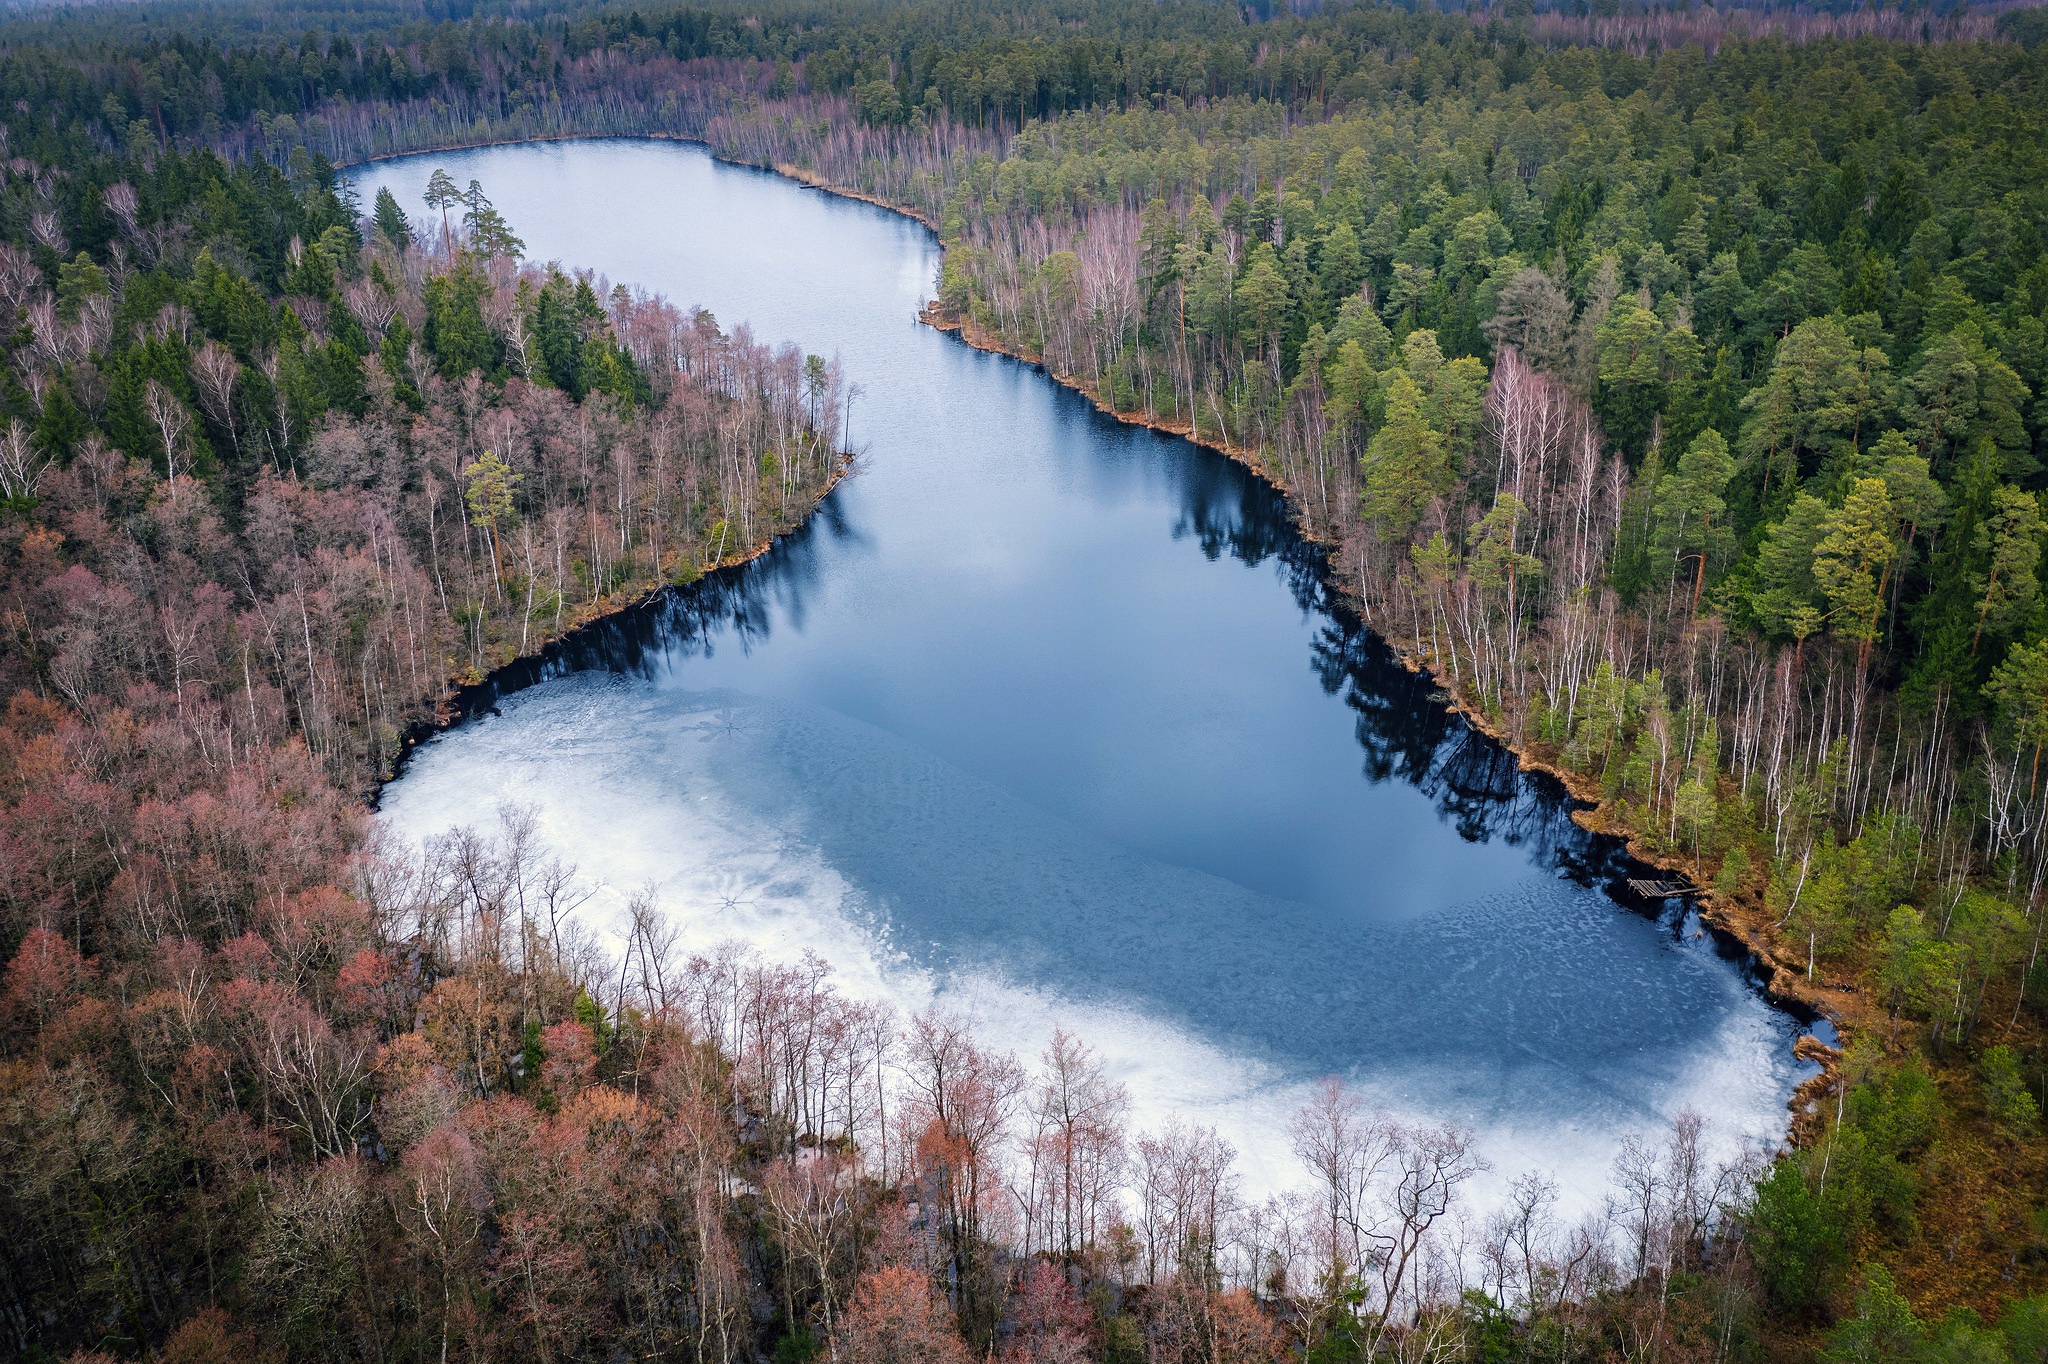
1048,717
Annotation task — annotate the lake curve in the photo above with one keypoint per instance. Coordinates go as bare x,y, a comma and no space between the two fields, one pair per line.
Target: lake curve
1048,716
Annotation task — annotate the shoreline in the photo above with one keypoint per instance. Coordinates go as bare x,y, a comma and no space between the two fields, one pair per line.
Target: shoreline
464,701
787,170
1779,980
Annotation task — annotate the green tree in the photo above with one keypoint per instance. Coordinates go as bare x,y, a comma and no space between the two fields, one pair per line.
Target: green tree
1263,294
1721,296
487,491
456,334
1823,394
1884,1329
2025,1323
2006,1094
1962,394
230,307
2018,692
78,279
1691,511
1357,321
2010,541
1916,497
1454,394
1961,1337
1797,1245
1405,464
393,353
1852,559
1212,297
1941,397
442,194
608,369
1919,971
1631,388
1159,254
877,102
1905,938
563,315
1494,542
1351,385
1342,265
1784,596
390,218
484,229
1734,873
491,235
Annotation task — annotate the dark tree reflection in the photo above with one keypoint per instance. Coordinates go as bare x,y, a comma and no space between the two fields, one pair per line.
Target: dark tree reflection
740,605
1406,729
1406,732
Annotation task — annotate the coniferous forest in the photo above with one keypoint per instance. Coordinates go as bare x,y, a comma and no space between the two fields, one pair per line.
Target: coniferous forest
1671,383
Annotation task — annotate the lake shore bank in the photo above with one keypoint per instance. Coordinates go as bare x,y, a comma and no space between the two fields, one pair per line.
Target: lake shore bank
465,699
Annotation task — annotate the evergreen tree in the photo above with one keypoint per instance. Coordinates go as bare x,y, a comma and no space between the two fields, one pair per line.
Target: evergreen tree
390,218
1692,512
1852,562
2010,543
1406,465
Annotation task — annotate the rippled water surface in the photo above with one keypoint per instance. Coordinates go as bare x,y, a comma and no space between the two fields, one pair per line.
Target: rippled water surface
1046,716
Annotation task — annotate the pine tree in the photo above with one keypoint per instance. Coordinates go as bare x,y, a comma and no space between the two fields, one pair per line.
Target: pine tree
2011,539
390,218
1852,560
1785,598
1691,512
487,492
1405,465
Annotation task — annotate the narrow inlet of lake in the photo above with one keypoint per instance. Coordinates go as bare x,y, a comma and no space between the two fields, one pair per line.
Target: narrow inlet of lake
1046,718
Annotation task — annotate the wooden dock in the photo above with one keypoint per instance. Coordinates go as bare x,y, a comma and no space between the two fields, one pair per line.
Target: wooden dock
1662,890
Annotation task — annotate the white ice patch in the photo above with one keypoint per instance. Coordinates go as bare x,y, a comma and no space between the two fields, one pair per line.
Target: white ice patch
1548,1019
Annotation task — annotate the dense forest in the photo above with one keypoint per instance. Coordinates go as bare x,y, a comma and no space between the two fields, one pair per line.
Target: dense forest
1672,384
277,475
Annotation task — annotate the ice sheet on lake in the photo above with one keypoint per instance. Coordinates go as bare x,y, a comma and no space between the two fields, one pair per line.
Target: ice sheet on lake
1543,1015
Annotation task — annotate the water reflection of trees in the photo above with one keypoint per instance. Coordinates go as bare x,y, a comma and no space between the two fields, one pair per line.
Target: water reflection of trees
734,607
1225,508
1405,731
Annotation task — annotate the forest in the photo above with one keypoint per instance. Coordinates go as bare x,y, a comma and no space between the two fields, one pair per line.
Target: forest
1669,383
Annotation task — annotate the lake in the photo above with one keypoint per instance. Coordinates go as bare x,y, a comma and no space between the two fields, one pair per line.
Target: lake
1049,718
